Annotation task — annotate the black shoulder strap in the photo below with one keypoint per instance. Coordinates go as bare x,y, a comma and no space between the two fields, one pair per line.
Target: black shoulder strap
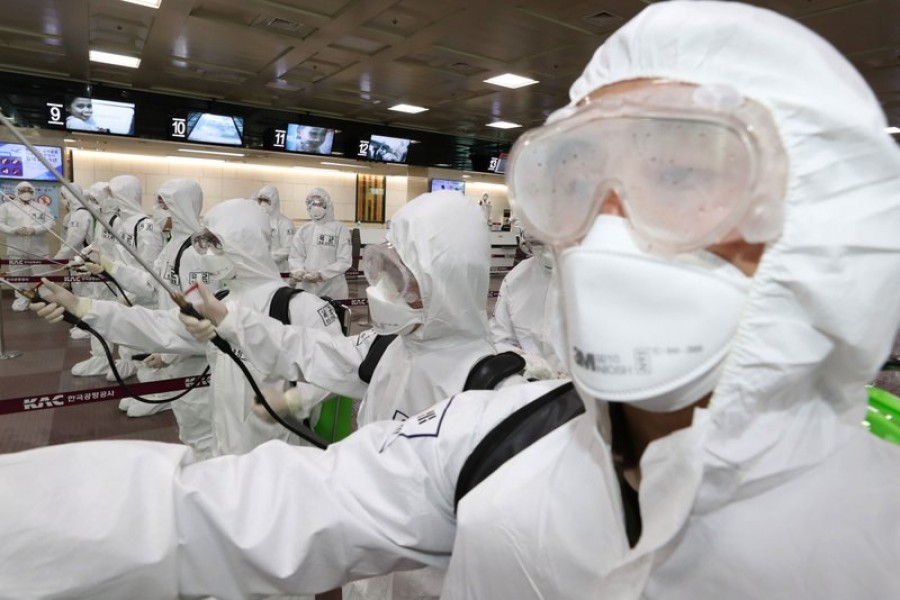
376,351
113,219
279,307
342,312
516,433
176,268
136,225
491,370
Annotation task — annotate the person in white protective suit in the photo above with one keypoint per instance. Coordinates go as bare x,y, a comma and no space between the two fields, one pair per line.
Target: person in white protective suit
233,249
321,251
77,234
428,286
99,196
520,317
138,230
179,202
25,224
750,263
282,227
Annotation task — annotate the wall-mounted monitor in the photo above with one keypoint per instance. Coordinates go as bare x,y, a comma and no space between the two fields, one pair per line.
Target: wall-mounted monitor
208,128
306,139
92,115
17,162
384,148
448,184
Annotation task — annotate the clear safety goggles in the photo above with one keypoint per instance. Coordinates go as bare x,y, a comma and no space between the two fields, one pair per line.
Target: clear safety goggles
382,264
315,201
206,242
692,166
161,202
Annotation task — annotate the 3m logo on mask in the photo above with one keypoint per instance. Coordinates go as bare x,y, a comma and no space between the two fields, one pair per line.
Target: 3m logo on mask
607,364
43,402
326,240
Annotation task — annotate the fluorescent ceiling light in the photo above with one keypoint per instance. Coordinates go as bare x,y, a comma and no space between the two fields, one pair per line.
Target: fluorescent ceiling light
508,80
408,108
503,125
114,59
893,130
69,140
211,152
442,165
467,177
150,3
337,164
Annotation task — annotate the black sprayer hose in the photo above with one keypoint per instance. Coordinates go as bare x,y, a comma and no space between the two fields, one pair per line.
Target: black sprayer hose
70,318
301,430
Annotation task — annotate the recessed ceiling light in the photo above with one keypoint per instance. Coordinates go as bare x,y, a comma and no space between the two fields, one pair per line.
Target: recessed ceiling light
150,3
114,59
192,151
408,108
508,80
893,130
503,125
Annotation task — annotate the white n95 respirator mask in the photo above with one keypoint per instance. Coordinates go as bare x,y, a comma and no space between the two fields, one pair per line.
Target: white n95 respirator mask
389,312
650,331
316,212
218,266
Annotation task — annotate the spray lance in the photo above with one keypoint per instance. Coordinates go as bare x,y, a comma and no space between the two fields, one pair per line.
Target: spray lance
183,305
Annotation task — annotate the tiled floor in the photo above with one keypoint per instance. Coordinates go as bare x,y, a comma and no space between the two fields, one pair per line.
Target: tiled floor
44,369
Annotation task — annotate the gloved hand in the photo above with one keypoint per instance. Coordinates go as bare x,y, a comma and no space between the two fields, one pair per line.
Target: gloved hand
24,231
155,361
98,264
314,277
212,309
283,403
298,276
58,300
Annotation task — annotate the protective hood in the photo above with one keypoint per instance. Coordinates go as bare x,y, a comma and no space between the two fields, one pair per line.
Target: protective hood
101,193
245,232
184,197
822,310
126,193
67,200
329,206
441,238
270,192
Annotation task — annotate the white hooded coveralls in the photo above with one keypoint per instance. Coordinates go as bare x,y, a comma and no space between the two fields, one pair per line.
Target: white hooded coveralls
282,228
15,214
520,318
184,199
323,247
775,491
77,225
244,231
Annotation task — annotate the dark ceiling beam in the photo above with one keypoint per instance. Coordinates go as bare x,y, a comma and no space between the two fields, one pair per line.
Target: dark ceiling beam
168,24
74,24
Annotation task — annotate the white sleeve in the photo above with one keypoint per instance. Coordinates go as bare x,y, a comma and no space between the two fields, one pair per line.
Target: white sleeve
6,228
281,247
136,281
142,328
297,258
501,325
325,359
281,519
77,233
344,255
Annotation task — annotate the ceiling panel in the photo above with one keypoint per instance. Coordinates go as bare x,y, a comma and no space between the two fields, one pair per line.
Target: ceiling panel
354,58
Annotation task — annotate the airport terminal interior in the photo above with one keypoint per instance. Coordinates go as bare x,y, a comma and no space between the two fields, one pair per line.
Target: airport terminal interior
376,102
